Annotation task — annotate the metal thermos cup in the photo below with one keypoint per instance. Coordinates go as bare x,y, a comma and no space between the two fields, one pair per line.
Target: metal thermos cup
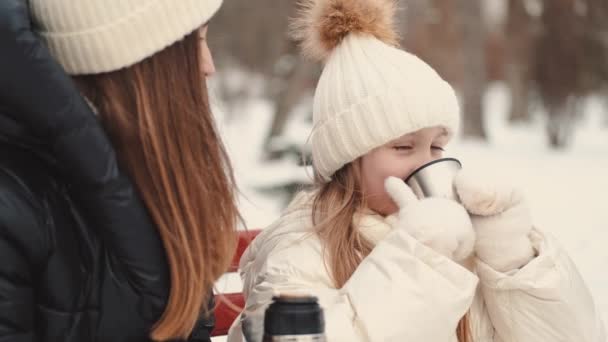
294,319
435,179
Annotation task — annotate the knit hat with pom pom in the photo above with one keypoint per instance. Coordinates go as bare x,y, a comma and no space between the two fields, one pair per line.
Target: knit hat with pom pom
370,91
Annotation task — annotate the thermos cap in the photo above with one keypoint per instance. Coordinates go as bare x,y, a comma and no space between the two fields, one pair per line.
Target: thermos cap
295,298
294,315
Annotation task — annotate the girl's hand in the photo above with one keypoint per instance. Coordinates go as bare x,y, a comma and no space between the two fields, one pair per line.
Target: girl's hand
500,218
439,223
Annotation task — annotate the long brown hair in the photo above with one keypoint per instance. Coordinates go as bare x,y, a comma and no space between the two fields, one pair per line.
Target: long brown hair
333,207
158,116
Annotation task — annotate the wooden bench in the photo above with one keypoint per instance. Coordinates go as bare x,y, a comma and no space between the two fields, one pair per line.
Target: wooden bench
225,314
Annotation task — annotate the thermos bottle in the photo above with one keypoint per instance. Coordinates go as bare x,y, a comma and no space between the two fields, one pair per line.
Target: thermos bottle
294,319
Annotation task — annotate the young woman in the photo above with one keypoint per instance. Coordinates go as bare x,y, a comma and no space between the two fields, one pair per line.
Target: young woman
385,265
79,258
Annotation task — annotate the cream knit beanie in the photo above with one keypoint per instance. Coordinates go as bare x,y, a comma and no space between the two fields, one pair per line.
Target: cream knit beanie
370,92
94,36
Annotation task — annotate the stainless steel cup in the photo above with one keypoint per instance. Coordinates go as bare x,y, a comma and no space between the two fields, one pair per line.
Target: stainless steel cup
435,179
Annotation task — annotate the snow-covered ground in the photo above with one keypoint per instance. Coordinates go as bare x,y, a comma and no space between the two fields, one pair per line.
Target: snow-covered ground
566,189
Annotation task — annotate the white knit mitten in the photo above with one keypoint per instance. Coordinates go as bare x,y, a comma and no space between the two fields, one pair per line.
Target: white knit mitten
500,218
439,223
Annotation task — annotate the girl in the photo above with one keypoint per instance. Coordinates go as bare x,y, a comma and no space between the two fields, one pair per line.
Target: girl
79,258
385,265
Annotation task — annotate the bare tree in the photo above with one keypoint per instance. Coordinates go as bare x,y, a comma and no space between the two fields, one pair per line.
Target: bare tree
568,62
297,80
262,46
597,45
253,33
474,81
520,31
431,31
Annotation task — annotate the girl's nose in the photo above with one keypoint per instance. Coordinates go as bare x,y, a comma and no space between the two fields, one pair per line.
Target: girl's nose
421,158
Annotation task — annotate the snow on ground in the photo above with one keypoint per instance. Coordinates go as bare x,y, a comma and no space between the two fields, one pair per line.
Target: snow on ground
566,190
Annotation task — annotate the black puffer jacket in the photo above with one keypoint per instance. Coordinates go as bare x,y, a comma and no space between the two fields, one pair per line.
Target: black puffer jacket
80,259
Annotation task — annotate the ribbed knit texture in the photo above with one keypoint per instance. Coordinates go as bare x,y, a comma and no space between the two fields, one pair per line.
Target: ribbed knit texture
371,93
95,36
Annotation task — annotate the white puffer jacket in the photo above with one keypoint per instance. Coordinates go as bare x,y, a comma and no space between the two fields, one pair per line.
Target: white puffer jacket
404,291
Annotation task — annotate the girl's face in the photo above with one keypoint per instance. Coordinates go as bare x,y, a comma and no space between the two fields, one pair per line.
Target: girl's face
207,60
399,158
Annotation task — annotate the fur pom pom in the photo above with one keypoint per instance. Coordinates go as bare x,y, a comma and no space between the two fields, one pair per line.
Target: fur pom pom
322,24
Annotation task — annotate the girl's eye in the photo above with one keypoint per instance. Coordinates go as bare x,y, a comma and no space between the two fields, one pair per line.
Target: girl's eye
437,148
402,148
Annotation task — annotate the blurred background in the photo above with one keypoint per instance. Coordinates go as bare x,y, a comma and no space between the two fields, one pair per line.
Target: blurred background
531,75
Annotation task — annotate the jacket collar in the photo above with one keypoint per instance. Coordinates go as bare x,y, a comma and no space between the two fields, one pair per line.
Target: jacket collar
373,226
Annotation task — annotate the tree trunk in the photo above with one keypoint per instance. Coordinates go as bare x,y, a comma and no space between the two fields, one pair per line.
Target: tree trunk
519,86
295,85
471,21
562,60
561,123
519,34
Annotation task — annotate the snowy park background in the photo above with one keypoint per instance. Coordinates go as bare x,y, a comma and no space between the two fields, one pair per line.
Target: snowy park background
522,84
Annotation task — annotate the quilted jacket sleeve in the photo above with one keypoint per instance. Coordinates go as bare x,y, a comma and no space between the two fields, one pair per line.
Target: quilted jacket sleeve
544,301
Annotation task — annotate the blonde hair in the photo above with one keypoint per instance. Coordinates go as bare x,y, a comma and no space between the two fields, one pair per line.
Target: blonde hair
344,247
